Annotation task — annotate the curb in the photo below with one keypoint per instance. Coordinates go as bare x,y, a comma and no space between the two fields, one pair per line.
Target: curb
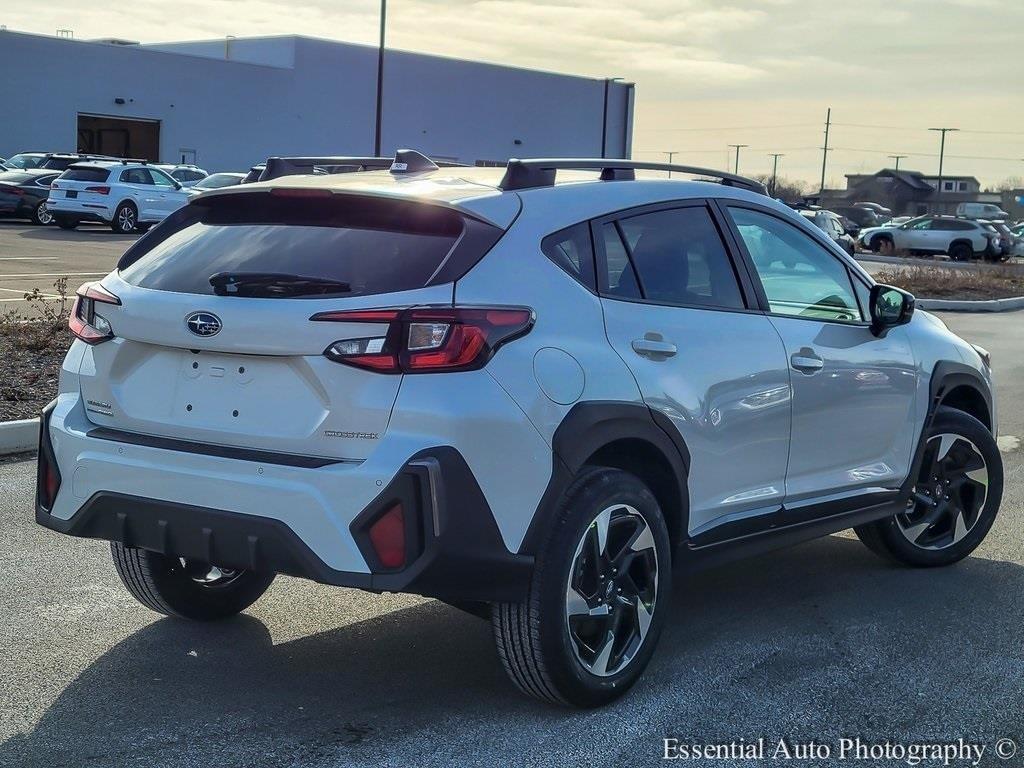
19,436
957,305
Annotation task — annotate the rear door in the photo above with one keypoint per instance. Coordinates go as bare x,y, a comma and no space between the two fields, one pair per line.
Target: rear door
248,369
137,185
676,311
853,393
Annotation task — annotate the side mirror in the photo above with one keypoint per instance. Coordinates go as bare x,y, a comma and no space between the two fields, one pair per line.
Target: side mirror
889,307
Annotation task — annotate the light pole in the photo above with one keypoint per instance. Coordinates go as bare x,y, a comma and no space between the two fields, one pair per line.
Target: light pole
671,154
775,168
737,147
942,153
380,77
897,158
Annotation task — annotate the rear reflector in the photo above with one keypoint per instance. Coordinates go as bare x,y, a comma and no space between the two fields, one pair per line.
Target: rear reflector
387,535
428,339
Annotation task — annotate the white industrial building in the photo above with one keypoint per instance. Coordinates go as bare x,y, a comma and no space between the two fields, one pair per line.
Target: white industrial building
227,104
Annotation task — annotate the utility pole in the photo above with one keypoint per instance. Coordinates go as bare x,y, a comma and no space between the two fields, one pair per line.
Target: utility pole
824,154
942,152
737,147
897,158
670,156
775,168
380,76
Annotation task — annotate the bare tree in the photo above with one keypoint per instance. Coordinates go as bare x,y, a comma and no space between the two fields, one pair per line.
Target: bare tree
790,190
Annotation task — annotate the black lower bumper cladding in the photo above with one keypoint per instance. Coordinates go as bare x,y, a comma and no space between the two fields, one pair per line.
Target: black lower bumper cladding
455,550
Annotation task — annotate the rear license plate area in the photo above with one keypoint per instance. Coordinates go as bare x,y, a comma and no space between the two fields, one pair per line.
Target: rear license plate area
71,193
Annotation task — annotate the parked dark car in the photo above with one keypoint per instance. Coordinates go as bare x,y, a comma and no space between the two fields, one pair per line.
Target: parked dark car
23,194
831,224
862,217
25,160
60,161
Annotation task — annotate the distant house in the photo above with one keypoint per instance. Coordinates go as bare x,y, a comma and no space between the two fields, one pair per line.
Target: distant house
907,193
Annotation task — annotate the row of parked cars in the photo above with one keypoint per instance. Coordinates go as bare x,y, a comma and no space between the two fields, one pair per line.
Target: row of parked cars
68,188
977,231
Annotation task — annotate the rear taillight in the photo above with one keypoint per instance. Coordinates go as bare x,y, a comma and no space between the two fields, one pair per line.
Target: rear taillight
85,322
7,189
427,339
98,190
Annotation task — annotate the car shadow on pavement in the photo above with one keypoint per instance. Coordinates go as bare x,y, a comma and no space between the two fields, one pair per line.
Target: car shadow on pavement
83,233
820,638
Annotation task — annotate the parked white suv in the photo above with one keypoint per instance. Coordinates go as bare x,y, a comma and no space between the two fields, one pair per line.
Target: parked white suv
538,400
963,239
125,195
184,174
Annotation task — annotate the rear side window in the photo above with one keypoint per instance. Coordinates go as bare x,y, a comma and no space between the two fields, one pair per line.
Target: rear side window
85,174
372,245
571,250
679,258
136,176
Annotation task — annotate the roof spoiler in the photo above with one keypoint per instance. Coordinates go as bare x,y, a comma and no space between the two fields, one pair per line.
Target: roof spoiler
404,161
530,174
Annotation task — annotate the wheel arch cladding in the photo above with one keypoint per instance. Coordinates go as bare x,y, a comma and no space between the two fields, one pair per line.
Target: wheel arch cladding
627,436
961,387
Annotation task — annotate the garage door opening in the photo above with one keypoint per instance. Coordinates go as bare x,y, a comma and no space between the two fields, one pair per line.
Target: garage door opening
119,137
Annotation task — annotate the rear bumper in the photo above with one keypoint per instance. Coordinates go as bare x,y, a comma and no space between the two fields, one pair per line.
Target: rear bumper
82,211
311,522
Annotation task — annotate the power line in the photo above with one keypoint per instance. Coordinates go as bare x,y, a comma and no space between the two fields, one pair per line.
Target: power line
734,128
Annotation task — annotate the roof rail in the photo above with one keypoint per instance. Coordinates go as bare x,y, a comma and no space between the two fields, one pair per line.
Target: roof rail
528,174
290,166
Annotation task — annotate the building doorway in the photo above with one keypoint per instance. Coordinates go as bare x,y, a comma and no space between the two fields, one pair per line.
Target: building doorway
119,137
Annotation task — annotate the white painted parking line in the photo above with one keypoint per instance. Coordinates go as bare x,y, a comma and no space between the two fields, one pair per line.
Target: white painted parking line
53,274
29,258
22,290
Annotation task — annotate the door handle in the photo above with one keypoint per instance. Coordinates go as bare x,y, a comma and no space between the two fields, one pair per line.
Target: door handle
654,348
807,361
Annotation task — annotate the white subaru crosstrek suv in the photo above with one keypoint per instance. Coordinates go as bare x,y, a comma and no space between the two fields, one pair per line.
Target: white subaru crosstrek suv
963,239
538,392
124,194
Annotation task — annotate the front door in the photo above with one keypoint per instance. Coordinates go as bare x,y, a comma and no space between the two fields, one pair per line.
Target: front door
169,196
853,393
677,315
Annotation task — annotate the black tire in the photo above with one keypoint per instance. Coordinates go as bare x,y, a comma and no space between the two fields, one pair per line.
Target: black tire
126,219
539,651
166,585
938,484
41,216
882,244
961,252
65,223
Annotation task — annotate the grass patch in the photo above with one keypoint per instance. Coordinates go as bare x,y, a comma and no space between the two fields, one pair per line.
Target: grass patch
983,282
33,342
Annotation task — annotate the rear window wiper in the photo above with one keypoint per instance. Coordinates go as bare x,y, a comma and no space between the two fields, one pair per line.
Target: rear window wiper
268,285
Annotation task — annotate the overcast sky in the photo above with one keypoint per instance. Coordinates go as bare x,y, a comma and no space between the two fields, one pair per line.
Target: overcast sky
708,72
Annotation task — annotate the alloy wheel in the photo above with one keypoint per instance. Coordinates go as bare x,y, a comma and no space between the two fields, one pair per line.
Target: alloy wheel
612,590
126,219
949,496
43,214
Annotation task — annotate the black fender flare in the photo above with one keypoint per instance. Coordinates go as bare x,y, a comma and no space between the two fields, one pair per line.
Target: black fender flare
946,376
592,425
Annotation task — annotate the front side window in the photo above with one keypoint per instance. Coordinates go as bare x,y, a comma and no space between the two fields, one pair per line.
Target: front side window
800,277
161,179
677,257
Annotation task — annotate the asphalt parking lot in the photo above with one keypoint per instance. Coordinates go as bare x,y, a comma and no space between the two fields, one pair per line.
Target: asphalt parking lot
818,642
34,257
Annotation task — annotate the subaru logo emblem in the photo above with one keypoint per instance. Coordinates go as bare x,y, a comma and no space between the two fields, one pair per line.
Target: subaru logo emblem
203,323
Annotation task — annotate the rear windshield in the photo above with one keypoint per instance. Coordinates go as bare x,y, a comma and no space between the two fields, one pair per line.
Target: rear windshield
85,174
372,245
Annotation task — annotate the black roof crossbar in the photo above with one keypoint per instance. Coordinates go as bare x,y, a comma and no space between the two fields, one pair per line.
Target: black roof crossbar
404,161
277,167
529,174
